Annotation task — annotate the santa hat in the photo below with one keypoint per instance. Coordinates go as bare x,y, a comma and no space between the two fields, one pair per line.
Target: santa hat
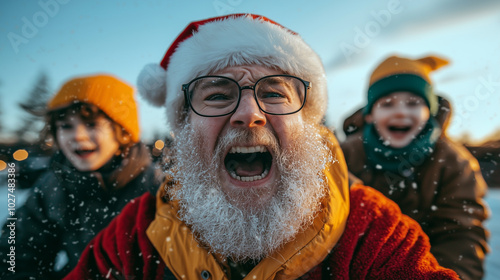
403,74
213,44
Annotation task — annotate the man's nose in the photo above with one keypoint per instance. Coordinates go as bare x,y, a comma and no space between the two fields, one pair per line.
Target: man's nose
248,113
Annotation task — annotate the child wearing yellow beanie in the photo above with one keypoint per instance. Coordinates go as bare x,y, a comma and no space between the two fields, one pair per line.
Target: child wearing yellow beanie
105,107
397,144
112,96
100,166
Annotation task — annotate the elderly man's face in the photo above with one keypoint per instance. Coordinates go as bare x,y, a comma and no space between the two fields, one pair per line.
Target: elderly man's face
247,165
249,181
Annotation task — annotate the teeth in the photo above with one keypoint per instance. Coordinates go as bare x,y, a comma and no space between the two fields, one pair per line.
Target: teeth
249,179
247,150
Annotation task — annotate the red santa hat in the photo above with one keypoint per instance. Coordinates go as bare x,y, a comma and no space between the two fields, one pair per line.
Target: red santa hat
213,44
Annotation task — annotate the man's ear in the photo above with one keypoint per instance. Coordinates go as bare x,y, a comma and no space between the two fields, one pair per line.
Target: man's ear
369,118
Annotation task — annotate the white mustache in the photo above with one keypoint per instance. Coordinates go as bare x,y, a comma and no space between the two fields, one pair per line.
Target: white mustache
247,137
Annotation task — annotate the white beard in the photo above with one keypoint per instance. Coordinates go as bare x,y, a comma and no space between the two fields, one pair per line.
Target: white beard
233,230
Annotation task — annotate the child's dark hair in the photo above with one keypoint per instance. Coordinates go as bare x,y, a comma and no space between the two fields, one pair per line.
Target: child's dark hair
87,112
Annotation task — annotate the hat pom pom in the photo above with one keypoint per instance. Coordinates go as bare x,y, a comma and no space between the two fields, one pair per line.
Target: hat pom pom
151,84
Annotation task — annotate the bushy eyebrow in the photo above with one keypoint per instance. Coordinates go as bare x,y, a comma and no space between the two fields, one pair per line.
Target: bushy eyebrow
213,83
278,81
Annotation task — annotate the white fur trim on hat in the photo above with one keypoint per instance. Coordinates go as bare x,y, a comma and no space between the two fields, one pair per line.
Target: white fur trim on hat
243,40
151,84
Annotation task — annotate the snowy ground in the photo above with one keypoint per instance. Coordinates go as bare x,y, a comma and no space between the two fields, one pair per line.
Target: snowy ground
493,224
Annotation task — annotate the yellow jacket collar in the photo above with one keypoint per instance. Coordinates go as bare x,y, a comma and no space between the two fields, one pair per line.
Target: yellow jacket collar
186,259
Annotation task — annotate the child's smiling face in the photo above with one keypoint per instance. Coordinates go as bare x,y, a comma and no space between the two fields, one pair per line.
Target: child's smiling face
87,144
399,117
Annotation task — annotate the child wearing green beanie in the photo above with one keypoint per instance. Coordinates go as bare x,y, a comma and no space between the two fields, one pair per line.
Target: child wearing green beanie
397,144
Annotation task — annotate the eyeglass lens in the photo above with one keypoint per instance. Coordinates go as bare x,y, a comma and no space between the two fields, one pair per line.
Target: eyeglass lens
213,96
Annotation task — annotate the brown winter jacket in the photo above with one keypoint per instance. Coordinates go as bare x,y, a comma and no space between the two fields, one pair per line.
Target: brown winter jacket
445,195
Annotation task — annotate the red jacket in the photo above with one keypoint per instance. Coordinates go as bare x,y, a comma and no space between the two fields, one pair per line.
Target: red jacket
378,243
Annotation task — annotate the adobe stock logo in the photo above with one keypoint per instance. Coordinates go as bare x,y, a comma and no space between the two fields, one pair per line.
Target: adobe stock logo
363,36
39,19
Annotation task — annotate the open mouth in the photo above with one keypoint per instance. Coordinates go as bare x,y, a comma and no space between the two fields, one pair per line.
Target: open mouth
399,129
248,164
84,152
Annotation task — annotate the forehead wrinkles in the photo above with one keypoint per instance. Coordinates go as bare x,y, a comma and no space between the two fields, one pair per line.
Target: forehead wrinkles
247,74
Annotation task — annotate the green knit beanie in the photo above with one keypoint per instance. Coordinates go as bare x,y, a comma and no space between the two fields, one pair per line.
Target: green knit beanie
403,74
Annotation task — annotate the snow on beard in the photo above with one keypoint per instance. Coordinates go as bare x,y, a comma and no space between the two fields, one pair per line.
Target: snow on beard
236,232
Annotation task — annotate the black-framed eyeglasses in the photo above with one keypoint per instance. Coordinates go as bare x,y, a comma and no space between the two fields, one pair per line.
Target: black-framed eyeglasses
216,96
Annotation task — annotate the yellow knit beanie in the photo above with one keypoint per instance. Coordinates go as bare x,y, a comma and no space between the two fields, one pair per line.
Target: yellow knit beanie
403,74
114,97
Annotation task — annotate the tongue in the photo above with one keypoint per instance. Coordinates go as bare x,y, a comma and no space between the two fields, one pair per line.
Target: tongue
253,168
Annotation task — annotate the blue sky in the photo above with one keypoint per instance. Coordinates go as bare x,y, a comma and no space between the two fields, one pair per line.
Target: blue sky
66,38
